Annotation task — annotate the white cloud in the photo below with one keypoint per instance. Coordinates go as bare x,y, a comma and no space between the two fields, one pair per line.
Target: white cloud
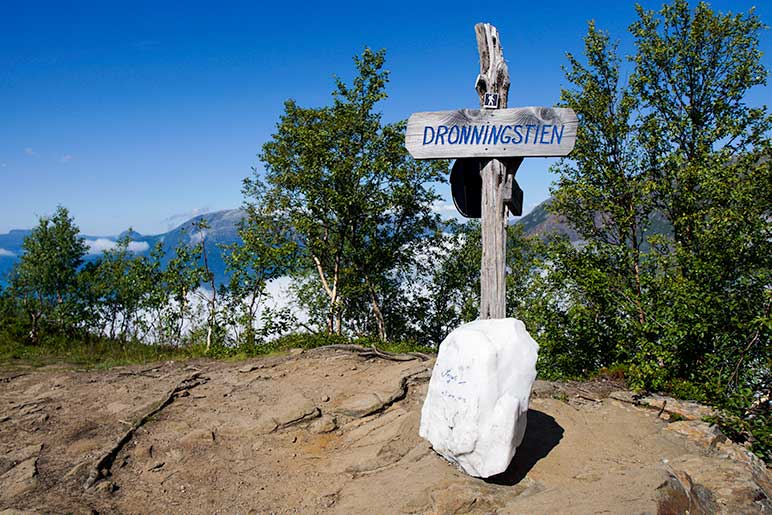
99,245
6,253
197,237
30,152
138,246
66,158
446,209
443,207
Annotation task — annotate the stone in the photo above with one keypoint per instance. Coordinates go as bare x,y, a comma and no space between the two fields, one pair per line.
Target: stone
734,487
249,368
324,424
79,471
680,494
544,389
294,410
20,479
475,410
361,405
684,410
700,433
11,459
675,409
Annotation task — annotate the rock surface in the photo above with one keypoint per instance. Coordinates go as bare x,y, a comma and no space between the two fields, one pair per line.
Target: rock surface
20,479
475,411
293,410
216,461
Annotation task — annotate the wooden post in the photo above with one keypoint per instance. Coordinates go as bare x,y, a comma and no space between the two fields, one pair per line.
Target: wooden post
493,78
482,137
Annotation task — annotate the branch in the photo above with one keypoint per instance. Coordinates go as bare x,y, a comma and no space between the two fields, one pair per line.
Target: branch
752,341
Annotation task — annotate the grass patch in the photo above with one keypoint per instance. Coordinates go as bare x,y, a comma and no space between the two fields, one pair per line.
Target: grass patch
91,352
308,341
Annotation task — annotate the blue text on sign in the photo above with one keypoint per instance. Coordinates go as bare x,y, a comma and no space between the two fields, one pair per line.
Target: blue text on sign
536,134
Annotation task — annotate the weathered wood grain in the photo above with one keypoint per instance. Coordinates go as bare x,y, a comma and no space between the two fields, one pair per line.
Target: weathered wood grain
523,131
493,78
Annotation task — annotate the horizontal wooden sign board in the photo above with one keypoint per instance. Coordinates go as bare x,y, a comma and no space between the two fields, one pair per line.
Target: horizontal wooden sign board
522,131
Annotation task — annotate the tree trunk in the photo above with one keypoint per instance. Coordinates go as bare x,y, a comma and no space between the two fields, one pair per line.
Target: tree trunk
34,332
381,322
332,294
637,274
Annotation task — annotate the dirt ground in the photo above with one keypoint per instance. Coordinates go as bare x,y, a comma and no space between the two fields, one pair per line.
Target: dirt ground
331,431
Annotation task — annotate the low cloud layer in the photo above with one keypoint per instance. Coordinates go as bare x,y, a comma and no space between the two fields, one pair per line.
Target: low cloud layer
99,245
6,253
177,218
446,209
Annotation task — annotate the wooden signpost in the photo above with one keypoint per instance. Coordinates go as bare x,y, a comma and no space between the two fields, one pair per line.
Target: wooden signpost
525,131
494,140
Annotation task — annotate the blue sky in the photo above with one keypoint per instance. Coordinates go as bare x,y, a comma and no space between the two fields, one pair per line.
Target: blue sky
146,113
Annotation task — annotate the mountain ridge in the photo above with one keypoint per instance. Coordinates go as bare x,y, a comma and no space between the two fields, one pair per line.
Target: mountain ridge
223,231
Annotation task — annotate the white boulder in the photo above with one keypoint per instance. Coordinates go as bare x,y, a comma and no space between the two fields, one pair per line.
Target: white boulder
474,414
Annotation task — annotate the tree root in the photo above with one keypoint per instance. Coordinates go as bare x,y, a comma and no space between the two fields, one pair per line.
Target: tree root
404,382
373,352
144,372
102,467
386,401
8,379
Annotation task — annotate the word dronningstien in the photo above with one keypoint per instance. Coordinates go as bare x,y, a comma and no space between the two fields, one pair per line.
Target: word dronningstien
536,134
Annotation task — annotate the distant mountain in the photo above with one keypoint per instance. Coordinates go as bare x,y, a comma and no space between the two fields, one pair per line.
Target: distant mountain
541,222
223,231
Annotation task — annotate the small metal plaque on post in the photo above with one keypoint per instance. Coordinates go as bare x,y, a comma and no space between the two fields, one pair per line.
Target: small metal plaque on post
491,101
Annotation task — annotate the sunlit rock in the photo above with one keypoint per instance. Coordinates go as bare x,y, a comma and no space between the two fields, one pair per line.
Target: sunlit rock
475,410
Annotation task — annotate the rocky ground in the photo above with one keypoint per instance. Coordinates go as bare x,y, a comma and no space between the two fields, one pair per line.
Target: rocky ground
332,431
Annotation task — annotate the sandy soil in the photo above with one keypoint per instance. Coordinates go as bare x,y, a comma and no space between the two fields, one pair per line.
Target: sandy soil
327,431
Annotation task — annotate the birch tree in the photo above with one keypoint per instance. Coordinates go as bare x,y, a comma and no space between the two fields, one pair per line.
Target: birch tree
357,202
